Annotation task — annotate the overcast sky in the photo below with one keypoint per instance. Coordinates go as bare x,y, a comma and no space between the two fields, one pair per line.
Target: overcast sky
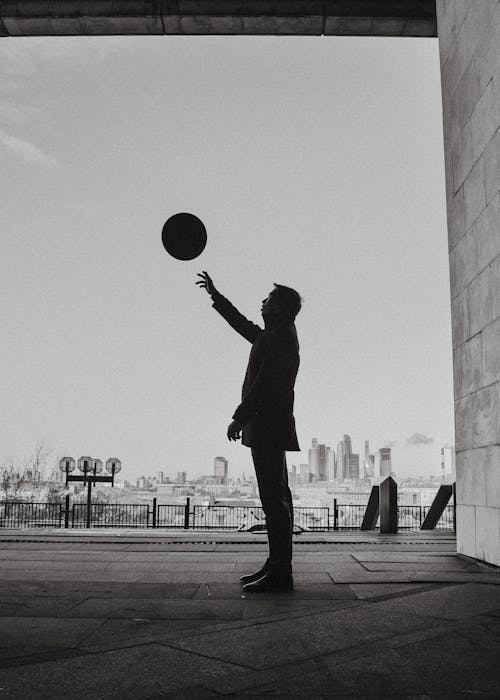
314,162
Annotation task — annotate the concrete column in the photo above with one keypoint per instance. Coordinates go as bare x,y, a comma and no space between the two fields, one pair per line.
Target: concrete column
469,44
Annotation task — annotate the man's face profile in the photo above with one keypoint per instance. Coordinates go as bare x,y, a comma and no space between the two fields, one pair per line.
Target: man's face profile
270,305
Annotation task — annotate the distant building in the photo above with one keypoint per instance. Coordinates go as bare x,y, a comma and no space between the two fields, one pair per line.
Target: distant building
347,462
159,477
221,470
369,465
181,478
304,473
331,464
385,461
353,466
448,468
141,482
317,461
340,462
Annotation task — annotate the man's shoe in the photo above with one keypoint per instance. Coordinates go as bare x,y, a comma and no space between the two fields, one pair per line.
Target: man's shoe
248,578
270,582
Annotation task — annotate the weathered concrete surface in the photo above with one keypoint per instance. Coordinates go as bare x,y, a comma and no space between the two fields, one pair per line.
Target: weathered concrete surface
153,615
469,43
274,17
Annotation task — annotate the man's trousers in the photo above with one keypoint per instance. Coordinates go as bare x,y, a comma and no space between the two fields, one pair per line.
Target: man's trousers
276,498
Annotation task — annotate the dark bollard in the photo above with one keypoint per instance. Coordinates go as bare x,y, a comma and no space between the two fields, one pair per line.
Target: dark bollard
388,505
66,511
445,492
155,510
372,509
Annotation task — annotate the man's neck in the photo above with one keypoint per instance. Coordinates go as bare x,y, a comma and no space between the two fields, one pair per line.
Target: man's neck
274,321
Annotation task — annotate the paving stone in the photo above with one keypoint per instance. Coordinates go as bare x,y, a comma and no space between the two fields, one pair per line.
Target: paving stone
279,606
303,590
124,674
402,556
249,681
447,577
450,602
159,609
38,606
25,635
444,564
117,633
376,675
145,568
375,590
314,635
454,666
101,575
362,575
105,589
194,693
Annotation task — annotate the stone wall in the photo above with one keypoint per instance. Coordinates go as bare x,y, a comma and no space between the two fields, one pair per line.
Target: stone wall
469,43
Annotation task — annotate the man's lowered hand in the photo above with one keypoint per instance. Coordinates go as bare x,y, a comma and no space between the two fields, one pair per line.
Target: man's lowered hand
234,430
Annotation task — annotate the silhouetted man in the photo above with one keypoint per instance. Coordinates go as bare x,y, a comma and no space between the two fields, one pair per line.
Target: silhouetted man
264,419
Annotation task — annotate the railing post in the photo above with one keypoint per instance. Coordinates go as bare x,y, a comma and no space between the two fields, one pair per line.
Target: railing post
89,502
66,511
335,515
154,512
186,513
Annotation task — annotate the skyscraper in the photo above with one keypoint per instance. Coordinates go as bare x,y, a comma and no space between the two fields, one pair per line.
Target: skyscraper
369,464
347,462
181,478
220,470
331,464
385,461
353,466
340,461
317,461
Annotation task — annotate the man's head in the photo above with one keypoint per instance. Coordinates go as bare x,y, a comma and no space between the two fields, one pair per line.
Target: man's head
281,302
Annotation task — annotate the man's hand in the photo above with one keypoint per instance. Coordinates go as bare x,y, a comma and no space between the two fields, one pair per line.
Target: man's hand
206,282
234,430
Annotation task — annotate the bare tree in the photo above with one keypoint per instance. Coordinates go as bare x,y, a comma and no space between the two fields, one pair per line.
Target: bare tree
12,481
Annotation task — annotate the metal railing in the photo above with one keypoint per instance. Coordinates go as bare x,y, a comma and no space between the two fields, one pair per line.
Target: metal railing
110,515
15,514
171,516
347,516
412,517
227,517
210,517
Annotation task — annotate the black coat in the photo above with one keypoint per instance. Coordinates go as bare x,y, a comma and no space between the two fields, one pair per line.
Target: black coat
266,408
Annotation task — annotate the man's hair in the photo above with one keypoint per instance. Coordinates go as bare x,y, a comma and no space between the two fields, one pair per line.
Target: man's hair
288,298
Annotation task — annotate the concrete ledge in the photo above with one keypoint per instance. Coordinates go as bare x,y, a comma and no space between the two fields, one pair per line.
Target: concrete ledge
221,17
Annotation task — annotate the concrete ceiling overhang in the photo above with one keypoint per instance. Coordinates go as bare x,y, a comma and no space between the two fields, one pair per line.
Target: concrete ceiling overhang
250,17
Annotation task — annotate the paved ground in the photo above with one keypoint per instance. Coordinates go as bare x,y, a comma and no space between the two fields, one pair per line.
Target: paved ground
130,614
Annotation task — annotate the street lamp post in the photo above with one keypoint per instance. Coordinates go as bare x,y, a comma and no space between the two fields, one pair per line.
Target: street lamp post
91,474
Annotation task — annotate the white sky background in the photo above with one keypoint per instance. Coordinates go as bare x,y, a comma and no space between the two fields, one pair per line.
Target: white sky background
314,162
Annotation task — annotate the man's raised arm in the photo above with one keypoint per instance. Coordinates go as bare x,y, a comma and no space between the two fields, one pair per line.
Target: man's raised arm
250,331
